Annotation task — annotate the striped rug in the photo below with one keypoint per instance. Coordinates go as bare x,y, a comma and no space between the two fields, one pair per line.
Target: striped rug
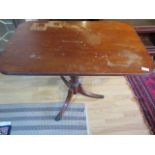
38,119
144,89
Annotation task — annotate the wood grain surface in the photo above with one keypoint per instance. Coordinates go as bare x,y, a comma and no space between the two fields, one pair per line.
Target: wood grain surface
75,48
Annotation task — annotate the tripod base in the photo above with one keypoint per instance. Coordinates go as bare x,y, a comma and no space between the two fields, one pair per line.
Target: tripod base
75,87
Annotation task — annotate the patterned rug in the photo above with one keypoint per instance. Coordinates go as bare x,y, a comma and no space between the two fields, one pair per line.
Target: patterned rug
38,119
143,87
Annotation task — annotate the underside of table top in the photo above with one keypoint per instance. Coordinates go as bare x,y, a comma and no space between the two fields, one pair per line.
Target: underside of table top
75,48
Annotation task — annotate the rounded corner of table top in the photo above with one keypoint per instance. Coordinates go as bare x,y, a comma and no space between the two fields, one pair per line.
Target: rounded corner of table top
4,72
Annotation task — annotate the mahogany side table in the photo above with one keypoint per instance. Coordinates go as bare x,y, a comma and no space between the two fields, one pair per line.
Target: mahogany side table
75,48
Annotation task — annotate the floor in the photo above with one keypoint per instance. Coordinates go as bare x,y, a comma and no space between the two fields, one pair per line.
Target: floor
117,113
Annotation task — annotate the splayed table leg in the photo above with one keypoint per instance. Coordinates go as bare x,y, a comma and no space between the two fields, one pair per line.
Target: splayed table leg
75,87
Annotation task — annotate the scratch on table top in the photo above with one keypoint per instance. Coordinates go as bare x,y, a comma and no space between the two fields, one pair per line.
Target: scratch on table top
72,41
34,56
91,37
128,57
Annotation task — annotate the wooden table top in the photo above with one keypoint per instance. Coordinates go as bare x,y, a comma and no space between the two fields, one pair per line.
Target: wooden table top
75,48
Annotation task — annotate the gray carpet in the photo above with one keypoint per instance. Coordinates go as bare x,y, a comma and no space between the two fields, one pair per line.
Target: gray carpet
38,119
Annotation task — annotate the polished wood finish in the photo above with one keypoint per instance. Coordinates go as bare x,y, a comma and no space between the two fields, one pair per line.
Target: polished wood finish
75,48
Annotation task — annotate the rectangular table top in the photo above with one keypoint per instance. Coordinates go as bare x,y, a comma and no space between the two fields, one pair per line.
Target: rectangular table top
75,48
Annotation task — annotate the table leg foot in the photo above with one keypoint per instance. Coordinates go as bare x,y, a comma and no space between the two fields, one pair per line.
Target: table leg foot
58,117
64,107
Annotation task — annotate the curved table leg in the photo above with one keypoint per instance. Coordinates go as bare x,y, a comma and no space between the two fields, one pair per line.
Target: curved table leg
75,87
67,83
89,94
67,102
